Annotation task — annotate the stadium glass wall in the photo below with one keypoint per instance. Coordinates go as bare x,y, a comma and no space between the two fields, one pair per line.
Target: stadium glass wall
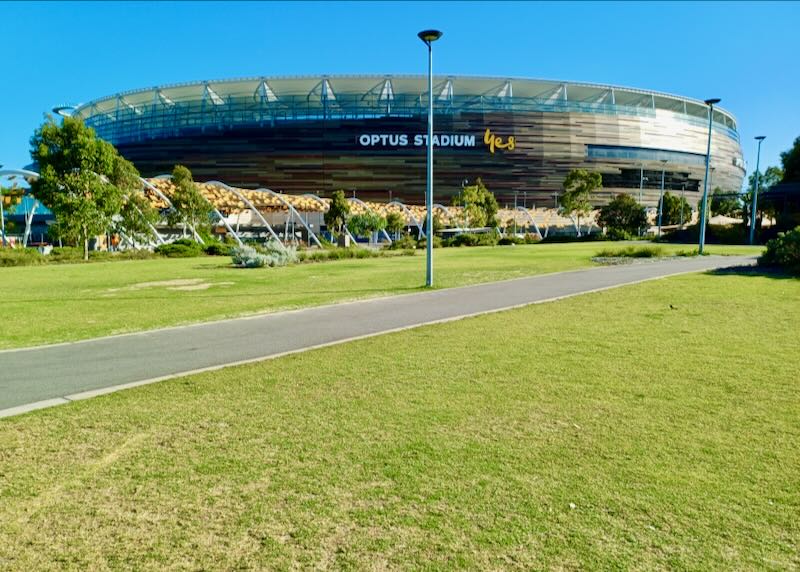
367,134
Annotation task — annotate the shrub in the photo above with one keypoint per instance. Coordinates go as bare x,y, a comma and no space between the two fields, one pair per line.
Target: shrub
218,249
783,251
437,242
632,252
248,257
403,243
472,239
619,234
181,248
21,257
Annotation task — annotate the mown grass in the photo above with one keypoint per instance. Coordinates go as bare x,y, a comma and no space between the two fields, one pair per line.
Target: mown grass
649,427
69,302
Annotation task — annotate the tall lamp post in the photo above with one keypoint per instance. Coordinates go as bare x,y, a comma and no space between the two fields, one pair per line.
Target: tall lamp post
2,218
661,196
760,138
429,36
710,103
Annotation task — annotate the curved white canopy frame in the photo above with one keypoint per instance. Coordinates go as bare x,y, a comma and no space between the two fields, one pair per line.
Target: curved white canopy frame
292,211
533,222
410,215
216,211
165,198
441,207
324,204
252,207
34,175
363,204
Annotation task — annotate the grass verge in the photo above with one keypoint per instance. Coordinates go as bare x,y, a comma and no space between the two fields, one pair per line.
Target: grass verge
616,430
77,301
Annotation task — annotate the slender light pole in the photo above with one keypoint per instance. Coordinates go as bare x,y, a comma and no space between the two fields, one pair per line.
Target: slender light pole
429,36
2,218
760,138
683,201
710,103
661,197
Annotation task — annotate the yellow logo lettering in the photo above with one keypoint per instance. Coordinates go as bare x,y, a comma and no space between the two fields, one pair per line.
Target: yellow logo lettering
496,142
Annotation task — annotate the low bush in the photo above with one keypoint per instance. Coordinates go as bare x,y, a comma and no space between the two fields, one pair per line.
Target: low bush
248,257
437,242
271,254
404,242
510,239
715,234
619,234
631,252
21,257
783,252
218,249
181,248
472,239
560,238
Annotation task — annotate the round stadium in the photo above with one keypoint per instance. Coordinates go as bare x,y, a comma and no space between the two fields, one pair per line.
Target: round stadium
367,136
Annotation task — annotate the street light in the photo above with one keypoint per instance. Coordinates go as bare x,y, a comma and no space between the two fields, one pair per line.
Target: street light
661,196
429,36
710,103
2,218
760,138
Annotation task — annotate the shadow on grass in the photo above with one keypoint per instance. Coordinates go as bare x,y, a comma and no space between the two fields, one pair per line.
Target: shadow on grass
753,270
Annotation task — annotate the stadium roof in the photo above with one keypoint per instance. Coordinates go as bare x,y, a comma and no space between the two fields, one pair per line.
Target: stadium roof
366,95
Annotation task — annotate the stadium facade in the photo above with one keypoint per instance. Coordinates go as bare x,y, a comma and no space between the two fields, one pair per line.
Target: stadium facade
366,134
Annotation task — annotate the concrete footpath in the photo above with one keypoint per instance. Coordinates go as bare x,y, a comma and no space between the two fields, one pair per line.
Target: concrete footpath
33,378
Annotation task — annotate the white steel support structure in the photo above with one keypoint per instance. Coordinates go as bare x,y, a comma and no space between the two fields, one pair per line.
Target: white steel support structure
533,222
410,216
363,204
326,207
251,206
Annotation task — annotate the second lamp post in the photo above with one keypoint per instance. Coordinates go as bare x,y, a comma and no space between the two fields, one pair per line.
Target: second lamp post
429,36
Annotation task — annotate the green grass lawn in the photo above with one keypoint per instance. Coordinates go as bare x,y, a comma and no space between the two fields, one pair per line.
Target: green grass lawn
606,431
77,301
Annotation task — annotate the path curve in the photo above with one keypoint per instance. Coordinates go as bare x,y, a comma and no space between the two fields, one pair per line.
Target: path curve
33,378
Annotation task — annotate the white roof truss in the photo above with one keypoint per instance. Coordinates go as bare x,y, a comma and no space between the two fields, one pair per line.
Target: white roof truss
265,93
213,96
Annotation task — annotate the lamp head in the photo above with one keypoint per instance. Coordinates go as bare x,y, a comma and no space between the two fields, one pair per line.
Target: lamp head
64,110
429,36
760,137
713,101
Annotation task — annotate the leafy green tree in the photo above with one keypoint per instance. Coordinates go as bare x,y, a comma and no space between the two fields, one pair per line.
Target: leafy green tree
674,208
790,159
338,212
725,203
190,207
766,180
82,179
395,223
136,218
578,187
480,205
623,214
366,224
10,197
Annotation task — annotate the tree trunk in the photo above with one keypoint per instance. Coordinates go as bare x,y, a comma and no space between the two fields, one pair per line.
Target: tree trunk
85,243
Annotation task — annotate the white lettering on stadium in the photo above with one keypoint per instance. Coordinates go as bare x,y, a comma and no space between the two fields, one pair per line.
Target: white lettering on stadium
402,140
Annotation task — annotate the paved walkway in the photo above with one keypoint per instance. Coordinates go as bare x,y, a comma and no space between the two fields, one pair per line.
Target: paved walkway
39,377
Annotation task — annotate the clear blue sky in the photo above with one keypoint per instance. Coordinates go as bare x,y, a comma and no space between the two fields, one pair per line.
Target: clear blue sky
745,53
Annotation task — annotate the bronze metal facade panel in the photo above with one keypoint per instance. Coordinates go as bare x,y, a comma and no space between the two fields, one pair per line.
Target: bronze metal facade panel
323,155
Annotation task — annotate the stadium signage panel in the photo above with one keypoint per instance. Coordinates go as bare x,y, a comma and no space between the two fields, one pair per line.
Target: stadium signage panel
418,140
492,141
